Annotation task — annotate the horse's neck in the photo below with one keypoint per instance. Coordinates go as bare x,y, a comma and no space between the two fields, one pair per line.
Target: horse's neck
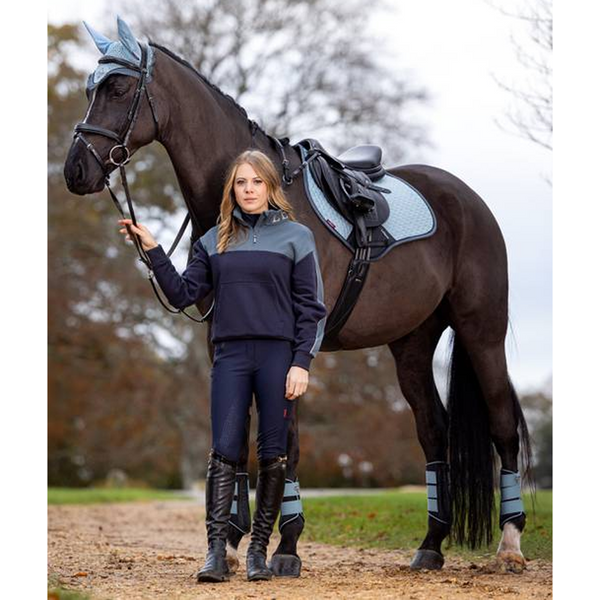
203,134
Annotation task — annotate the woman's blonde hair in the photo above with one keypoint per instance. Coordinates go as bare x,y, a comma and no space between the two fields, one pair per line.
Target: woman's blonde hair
228,227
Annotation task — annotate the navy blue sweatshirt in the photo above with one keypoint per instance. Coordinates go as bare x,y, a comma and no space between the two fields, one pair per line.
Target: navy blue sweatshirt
267,284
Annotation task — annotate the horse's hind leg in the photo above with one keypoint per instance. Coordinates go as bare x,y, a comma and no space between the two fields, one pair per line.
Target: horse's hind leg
505,416
482,335
414,365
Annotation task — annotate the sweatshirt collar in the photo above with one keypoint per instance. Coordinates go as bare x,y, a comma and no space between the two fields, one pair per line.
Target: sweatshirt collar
270,216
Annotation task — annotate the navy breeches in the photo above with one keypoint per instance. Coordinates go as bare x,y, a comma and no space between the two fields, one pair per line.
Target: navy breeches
240,369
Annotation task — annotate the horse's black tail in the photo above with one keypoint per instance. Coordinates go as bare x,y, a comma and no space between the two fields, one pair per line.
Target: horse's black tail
472,457
472,461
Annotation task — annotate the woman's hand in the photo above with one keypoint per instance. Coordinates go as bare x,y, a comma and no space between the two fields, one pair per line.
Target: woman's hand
148,242
296,382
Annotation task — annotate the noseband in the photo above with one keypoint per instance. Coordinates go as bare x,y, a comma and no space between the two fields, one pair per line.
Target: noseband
122,141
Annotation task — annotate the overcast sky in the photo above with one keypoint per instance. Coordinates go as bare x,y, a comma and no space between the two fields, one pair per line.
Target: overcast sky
453,49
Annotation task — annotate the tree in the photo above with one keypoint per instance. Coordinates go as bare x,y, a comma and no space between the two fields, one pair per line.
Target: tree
537,407
531,115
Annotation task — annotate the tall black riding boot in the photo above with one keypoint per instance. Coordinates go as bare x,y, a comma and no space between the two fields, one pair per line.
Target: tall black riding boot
220,482
269,493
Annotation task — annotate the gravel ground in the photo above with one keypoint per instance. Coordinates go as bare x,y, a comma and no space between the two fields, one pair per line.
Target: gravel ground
151,550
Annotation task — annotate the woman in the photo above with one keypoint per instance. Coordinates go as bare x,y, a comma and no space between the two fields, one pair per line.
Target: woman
268,325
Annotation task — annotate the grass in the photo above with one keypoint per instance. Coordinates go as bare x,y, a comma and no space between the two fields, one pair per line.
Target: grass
395,519
387,520
101,495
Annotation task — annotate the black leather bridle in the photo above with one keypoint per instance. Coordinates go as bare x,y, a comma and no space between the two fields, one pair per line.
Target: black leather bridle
122,139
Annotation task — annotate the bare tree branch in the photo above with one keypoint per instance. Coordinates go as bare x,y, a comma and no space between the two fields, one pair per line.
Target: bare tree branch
531,115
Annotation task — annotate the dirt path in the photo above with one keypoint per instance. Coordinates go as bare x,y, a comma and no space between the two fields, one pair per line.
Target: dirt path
152,550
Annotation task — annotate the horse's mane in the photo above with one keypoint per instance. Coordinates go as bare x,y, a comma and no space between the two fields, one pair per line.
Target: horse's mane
227,97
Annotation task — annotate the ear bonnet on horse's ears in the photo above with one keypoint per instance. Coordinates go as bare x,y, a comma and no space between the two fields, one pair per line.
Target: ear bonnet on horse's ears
127,47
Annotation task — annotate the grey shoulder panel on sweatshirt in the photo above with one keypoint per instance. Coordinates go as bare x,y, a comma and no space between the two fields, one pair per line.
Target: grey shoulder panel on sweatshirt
290,238
209,240
305,243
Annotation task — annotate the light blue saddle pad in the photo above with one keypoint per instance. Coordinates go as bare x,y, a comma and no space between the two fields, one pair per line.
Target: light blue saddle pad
411,217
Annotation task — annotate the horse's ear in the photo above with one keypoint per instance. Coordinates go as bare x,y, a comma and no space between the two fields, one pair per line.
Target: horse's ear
127,38
101,41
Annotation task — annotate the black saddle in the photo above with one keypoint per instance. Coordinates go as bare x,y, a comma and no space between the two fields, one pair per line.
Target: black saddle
347,183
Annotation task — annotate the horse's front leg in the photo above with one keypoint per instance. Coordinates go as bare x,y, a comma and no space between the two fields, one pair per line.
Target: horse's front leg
413,355
285,561
240,521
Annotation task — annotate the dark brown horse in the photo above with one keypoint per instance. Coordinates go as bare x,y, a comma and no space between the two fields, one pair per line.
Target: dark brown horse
456,278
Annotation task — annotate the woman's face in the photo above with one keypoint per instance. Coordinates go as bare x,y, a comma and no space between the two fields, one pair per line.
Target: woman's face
250,190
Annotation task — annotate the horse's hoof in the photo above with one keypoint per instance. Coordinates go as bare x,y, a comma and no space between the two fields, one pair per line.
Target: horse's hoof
427,559
510,562
285,565
233,562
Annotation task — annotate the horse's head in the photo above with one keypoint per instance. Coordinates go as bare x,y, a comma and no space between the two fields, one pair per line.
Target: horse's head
120,117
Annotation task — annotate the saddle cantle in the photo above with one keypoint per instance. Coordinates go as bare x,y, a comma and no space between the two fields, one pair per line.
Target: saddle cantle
367,208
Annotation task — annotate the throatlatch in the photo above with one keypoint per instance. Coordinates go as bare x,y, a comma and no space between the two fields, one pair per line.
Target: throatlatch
437,478
511,505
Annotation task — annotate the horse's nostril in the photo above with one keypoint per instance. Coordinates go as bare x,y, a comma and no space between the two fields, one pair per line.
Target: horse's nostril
79,172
